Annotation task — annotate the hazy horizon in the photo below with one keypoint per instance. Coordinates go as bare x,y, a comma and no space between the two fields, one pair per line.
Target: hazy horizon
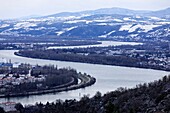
11,9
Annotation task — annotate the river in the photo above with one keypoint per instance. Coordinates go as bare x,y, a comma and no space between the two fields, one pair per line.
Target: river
103,44
108,78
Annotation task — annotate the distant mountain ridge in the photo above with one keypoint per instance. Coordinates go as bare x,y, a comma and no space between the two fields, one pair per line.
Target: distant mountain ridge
101,23
120,11
115,10
160,13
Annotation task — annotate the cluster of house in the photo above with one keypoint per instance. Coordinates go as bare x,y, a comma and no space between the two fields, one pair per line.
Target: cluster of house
11,79
154,59
8,80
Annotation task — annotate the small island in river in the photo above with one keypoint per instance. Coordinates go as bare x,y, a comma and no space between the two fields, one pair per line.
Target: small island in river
26,80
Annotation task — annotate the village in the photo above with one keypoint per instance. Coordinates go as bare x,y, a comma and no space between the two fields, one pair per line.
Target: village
17,76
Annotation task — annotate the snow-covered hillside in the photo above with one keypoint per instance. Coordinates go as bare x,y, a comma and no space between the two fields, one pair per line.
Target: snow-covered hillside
97,23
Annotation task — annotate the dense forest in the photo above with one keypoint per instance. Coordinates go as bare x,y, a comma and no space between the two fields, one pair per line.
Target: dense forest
153,97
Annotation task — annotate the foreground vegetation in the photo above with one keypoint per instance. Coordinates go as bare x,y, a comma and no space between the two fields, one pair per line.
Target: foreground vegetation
153,97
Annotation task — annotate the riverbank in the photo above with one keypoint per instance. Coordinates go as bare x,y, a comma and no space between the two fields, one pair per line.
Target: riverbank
91,59
86,80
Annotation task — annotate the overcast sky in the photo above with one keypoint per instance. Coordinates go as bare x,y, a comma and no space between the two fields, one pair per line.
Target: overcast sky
21,8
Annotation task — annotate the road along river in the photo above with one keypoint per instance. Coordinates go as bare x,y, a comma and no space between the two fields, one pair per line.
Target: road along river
108,78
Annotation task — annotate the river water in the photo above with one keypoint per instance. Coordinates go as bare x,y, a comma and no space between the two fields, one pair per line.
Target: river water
103,44
108,78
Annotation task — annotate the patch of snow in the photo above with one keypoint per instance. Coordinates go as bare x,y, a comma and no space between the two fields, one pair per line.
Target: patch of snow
59,32
49,23
101,20
87,22
24,25
132,29
155,18
163,23
125,27
102,36
65,30
111,24
138,16
118,20
134,35
71,28
102,24
78,21
40,28
4,25
149,27
51,18
145,28
34,20
85,15
142,21
70,17
114,24
37,20
110,33
126,19
106,35
66,18
75,21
